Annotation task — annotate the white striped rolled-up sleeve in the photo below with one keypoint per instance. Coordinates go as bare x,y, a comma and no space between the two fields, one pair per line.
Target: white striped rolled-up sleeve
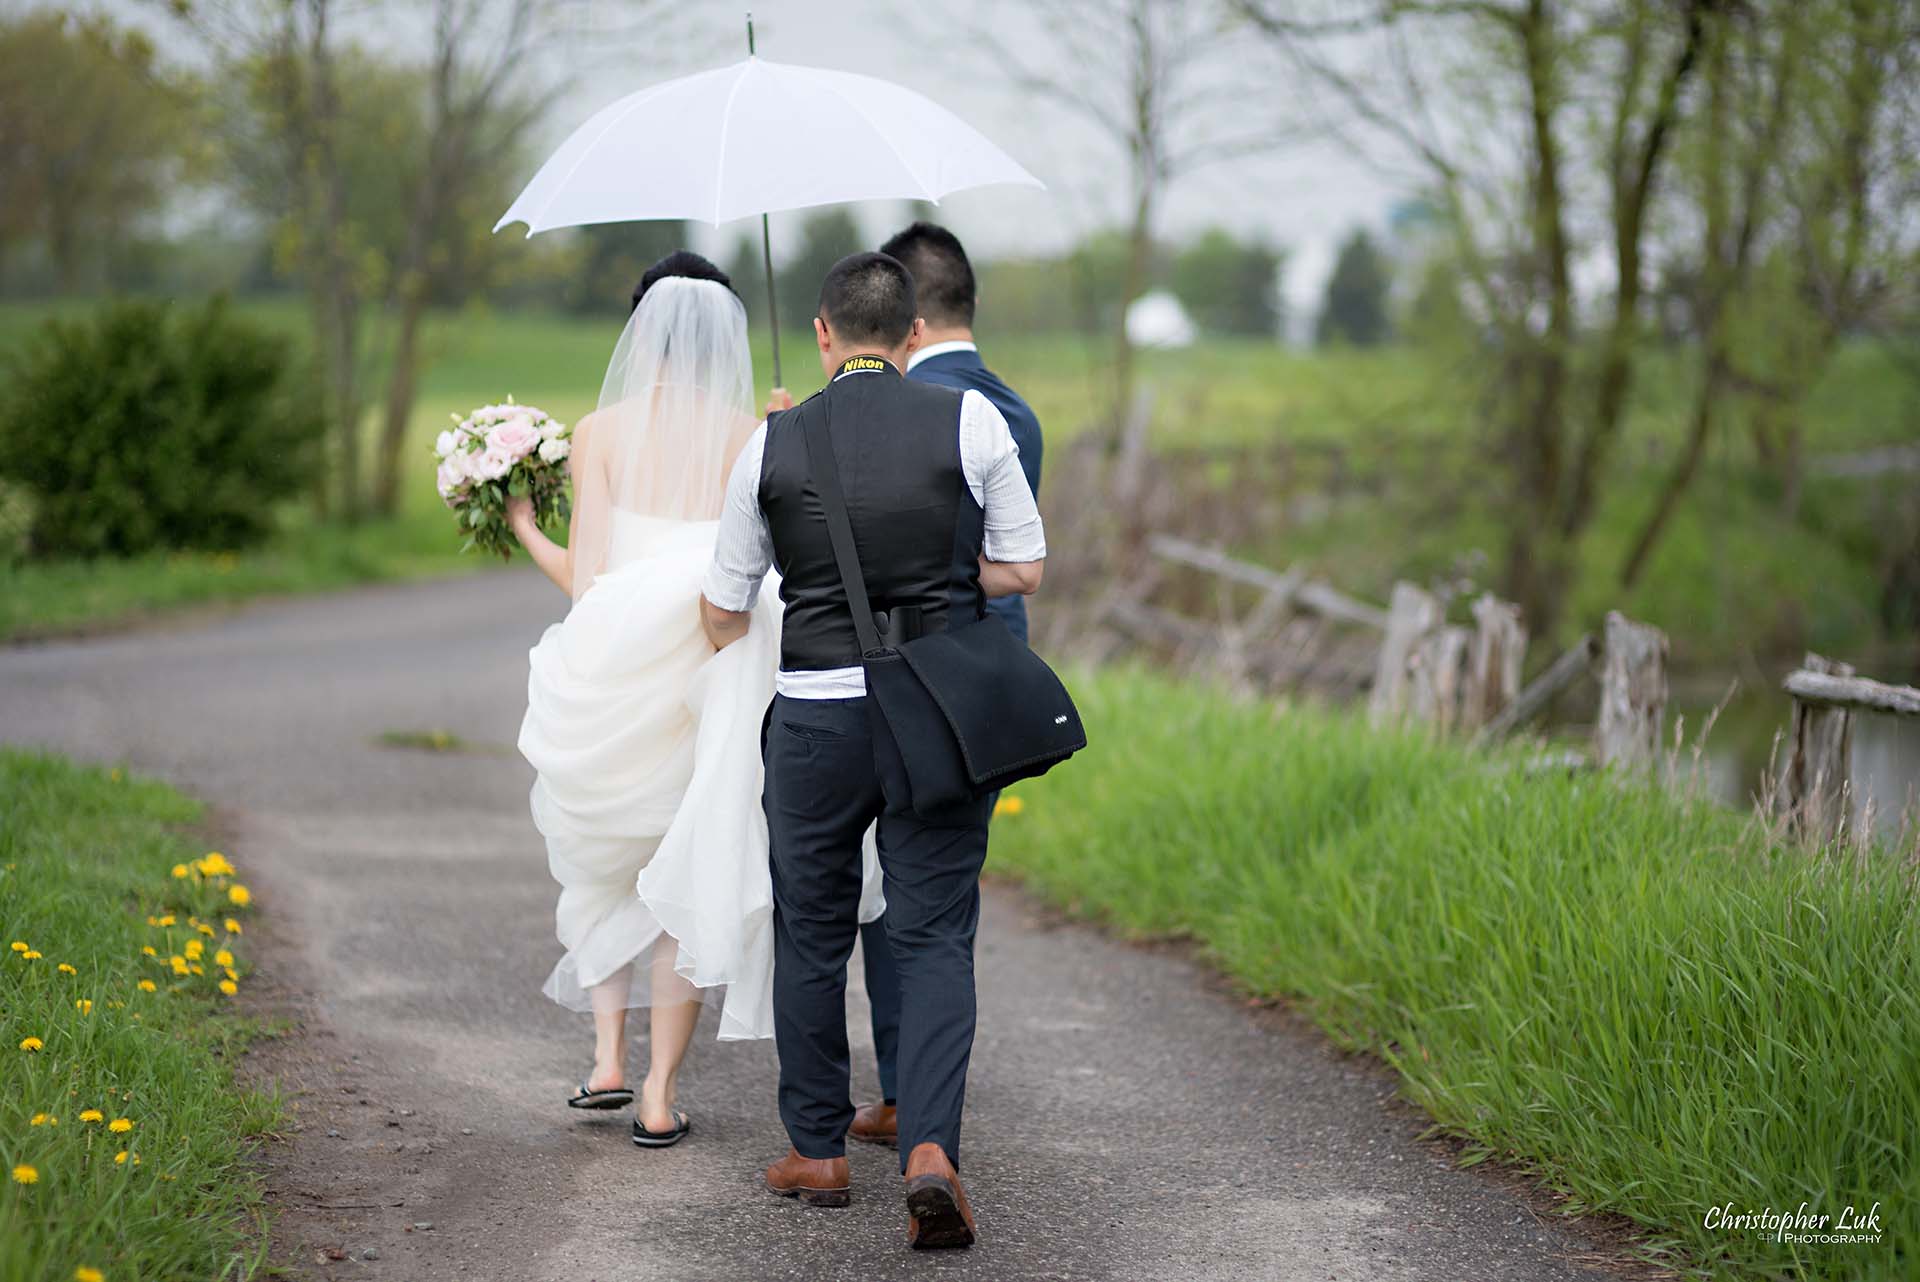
991,461
743,549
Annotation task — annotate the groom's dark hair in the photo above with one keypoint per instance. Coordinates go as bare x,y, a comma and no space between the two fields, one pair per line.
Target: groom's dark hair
681,262
868,298
942,276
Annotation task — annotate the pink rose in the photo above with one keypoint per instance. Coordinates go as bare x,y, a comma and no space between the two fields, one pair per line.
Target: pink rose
490,464
516,438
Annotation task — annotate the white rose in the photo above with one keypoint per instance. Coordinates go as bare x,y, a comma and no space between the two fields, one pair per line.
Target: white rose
450,479
555,449
552,429
445,443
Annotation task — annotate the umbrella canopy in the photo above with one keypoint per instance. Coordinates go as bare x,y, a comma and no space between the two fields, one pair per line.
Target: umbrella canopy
755,138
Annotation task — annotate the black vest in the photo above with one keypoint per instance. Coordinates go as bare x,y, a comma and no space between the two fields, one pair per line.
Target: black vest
916,524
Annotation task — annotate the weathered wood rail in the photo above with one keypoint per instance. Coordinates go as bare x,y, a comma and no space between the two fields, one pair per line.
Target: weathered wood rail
1416,666
1814,794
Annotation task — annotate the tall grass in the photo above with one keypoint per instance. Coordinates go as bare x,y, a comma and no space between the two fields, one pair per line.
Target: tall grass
1642,999
86,859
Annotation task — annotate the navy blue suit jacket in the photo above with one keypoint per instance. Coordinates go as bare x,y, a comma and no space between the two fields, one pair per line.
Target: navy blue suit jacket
964,370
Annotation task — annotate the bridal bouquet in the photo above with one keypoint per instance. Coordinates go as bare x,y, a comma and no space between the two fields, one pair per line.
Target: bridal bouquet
497,452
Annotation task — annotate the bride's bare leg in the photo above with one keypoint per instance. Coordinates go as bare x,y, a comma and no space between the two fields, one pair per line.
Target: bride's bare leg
676,1009
609,998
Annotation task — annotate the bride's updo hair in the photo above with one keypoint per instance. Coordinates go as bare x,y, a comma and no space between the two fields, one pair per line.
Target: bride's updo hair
681,262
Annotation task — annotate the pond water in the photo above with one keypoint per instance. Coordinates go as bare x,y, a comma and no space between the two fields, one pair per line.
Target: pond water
1740,749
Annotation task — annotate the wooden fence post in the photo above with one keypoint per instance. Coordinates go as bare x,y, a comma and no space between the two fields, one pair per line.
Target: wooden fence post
1633,694
1411,614
1560,674
1434,678
1493,662
1814,792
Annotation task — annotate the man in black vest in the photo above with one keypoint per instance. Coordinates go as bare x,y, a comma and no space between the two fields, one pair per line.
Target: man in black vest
944,286
942,519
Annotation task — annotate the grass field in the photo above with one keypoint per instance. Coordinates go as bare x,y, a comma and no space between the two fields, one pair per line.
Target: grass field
1787,583
122,1130
1644,1001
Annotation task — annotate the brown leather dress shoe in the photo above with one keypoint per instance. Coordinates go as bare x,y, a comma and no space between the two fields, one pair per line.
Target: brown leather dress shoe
817,1181
876,1124
937,1211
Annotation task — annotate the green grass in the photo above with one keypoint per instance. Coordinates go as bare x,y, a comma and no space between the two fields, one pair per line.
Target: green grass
1645,1001
85,860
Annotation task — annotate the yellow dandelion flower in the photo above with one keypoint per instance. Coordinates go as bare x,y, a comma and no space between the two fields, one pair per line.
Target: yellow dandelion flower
239,894
31,1043
85,1274
67,970
120,1158
233,927
204,929
114,774
43,1119
193,949
147,986
180,870
24,1174
178,963
228,987
197,969
152,920
120,1125
92,1115
165,921
214,864
149,950
1009,806
231,973
84,1005
223,958
32,954
19,945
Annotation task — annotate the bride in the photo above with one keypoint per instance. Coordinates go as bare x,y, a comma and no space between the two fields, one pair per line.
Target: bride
646,741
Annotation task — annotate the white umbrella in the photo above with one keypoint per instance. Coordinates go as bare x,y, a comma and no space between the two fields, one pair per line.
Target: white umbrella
754,138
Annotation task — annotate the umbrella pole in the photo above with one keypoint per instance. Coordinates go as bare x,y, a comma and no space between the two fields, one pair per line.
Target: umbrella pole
773,309
766,256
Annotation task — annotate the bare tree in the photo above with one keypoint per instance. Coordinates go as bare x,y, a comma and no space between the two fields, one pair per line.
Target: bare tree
1540,94
1159,79
477,97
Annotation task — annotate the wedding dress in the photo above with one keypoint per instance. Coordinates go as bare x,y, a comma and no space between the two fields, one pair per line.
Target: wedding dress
646,741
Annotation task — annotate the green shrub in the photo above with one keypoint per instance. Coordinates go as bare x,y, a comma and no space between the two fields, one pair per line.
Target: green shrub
154,426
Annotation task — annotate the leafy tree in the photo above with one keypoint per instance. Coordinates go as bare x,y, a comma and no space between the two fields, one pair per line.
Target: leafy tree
92,134
1355,310
827,236
614,256
1228,286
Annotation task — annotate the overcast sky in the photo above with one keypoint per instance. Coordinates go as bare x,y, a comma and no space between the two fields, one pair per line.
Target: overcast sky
1303,197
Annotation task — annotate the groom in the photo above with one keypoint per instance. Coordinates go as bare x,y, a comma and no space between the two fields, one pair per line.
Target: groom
943,282
942,517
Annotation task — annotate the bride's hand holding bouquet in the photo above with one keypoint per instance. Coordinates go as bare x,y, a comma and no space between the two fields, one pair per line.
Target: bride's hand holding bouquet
500,456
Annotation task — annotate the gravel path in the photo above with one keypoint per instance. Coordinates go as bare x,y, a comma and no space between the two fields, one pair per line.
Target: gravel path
1125,1120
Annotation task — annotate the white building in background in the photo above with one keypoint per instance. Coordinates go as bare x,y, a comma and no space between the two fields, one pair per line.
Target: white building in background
1157,319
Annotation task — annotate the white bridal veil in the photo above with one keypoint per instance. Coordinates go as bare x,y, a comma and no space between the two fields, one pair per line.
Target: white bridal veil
675,409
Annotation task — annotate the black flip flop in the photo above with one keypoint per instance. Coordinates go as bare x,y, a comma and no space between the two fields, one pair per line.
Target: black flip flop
661,1139
618,1097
